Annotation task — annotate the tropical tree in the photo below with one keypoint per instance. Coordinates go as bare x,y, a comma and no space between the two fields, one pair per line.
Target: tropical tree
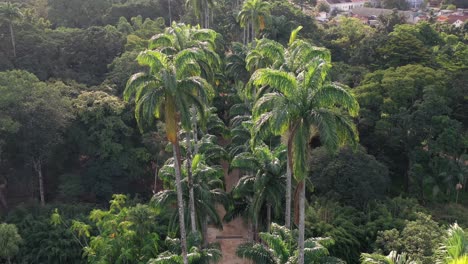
168,89
298,101
252,17
280,247
9,13
200,45
207,188
264,182
9,241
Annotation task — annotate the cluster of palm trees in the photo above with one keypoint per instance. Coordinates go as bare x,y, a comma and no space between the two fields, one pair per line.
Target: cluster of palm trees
288,94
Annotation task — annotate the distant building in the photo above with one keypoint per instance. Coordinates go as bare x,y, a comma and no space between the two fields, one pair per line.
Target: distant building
345,5
455,20
415,3
374,13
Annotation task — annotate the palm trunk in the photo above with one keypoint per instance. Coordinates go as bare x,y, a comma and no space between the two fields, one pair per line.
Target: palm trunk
268,216
12,35
289,169
254,31
301,222
37,164
205,232
170,12
180,201
193,219
206,15
155,186
195,132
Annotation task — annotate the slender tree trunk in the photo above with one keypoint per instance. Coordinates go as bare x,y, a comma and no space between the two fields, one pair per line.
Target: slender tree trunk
301,222
193,219
254,31
206,14
195,131
205,232
202,14
12,35
38,168
248,32
180,201
244,36
155,186
9,261
289,169
170,12
268,216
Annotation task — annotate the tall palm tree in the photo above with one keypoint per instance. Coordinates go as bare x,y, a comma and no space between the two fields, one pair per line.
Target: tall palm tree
280,247
167,90
264,182
208,190
9,13
201,45
299,102
253,16
271,54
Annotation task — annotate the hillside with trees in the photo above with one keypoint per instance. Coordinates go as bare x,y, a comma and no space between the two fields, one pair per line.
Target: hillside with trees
165,131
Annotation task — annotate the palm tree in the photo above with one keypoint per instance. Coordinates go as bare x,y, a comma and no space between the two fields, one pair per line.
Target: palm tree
197,255
280,247
264,182
454,247
208,190
392,258
297,101
201,45
201,9
253,16
10,12
167,90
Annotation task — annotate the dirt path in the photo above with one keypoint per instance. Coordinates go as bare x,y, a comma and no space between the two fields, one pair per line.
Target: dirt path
235,232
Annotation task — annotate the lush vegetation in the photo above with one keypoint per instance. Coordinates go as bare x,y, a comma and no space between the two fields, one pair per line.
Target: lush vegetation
349,141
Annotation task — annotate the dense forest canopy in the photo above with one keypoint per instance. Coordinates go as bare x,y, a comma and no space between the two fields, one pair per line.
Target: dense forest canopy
153,131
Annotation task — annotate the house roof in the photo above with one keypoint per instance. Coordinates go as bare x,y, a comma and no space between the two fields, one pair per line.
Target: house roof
368,12
453,18
331,2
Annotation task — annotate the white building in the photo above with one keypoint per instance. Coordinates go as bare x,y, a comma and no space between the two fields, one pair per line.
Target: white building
415,3
345,5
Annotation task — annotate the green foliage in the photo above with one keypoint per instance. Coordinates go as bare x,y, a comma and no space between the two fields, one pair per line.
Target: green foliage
44,241
109,154
10,240
418,238
351,177
392,258
356,231
207,187
454,246
125,234
280,246
197,254
263,186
